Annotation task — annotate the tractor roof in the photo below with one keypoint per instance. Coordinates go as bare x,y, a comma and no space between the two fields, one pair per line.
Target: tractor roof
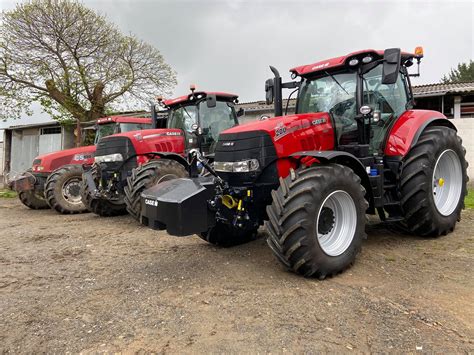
200,94
123,119
341,61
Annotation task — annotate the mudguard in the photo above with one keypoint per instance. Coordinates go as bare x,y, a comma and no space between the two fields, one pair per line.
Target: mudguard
180,206
408,128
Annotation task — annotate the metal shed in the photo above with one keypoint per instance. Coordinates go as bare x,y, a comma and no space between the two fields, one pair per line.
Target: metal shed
23,143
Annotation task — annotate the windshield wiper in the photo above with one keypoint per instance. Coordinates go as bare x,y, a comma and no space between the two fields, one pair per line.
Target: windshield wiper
337,82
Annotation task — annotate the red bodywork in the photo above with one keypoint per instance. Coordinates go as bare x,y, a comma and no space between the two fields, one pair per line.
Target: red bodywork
294,133
46,163
161,140
185,98
406,128
341,61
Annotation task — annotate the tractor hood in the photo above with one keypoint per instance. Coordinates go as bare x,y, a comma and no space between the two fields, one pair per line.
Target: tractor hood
140,143
46,163
292,130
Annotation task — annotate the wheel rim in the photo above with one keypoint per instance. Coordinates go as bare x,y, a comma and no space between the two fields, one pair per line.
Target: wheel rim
447,182
72,191
336,223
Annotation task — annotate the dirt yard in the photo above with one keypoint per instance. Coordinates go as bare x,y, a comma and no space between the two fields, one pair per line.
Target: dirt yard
84,283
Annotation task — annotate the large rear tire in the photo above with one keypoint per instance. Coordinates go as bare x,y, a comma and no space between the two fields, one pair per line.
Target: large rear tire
62,190
33,200
147,175
433,183
317,220
101,207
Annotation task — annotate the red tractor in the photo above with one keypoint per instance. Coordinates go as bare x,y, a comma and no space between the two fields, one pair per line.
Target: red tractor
54,178
127,163
354,147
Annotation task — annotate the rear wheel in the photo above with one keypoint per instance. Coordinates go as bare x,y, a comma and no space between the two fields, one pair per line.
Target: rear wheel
99,206
62,190
433,183
147,175
33,200
317,220
225,236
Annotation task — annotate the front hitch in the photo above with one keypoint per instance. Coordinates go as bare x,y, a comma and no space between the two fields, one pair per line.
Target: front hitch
90,183
24,182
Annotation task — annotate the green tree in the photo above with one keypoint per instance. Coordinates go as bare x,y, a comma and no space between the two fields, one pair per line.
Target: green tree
463,73
75,63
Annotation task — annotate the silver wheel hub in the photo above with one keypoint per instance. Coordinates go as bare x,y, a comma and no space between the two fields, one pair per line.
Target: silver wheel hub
72,191
447,182
336,223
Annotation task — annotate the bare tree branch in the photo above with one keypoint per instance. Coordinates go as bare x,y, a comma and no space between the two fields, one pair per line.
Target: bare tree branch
74,62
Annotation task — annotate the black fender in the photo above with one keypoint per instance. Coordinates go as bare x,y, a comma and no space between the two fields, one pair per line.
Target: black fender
342,158
443,122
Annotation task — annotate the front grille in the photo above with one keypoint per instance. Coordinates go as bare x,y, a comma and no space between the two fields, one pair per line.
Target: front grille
113,145
248,145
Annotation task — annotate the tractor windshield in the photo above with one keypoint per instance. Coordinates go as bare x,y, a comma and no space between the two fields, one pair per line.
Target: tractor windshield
104,130
107,129
128,127
329,93
216,119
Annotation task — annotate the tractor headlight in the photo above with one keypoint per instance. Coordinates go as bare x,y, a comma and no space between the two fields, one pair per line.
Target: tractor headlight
108,158
243,166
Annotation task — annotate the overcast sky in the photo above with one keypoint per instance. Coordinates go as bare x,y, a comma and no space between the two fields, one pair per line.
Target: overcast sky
228,45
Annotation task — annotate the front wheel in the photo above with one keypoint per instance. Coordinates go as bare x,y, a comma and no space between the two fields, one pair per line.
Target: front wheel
33,200
62,190
147,175
433,183
317,220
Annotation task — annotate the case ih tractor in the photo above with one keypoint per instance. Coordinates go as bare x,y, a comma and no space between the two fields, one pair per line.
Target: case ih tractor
126,164
54,179
354,146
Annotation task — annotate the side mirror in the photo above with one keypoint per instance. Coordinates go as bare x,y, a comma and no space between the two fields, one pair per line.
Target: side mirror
240,112
211,101
269,94
391,65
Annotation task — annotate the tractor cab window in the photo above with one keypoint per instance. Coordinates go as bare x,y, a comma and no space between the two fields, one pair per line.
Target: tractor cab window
128,127
216,119
104,130
387,102
335,94
183,118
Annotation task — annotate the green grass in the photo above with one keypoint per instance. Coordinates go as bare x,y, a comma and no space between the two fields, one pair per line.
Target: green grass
5,193
469,200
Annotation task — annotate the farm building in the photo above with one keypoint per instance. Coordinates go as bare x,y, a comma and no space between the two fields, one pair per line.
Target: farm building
22,143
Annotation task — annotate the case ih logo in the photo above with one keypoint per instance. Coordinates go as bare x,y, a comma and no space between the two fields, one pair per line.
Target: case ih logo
228,144
320,66
151,202
318,121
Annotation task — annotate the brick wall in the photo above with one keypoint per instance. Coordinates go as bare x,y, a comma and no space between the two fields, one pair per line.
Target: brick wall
466,132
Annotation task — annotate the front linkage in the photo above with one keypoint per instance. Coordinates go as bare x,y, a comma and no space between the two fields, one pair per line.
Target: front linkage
204,205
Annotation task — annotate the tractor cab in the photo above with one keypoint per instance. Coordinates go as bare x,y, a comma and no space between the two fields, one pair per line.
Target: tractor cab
363,92
202,116
119,124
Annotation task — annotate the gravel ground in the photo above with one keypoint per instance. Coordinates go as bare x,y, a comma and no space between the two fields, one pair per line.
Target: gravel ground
90,284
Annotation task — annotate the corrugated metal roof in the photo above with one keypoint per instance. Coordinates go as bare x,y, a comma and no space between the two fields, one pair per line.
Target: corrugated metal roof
442,89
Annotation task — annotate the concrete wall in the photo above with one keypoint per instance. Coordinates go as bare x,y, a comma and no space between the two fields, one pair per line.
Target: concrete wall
1,163
465,128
